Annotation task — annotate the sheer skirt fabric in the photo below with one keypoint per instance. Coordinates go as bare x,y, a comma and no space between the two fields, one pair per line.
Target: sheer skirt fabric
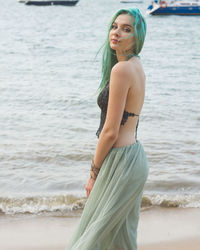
110,218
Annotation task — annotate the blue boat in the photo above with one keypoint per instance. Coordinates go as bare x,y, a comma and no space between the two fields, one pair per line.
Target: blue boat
160,7
51,2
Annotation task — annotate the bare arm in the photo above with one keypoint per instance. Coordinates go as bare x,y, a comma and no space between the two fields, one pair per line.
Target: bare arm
119,85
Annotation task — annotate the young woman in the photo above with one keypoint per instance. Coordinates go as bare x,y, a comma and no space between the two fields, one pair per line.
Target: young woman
119,168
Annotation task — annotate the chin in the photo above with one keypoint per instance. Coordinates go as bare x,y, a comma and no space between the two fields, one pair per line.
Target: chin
112,46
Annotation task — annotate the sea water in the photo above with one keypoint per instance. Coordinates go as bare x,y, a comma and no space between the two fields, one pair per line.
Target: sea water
50,70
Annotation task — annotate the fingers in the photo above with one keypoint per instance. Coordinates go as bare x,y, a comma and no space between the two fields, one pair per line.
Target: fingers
88,190
89,186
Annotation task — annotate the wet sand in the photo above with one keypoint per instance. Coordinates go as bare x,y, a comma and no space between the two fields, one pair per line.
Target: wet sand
159,229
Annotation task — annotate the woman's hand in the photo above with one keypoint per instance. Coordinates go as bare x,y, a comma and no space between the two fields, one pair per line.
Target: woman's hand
89,185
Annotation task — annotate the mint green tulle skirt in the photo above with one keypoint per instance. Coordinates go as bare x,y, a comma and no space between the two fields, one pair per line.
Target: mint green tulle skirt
110,218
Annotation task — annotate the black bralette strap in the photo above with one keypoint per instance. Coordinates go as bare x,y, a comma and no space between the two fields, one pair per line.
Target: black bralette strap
129,113
136,129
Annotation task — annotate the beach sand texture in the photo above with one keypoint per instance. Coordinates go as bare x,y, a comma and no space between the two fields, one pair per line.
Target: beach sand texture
159,229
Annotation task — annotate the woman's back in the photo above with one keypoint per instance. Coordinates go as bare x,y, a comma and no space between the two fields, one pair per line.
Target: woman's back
134,103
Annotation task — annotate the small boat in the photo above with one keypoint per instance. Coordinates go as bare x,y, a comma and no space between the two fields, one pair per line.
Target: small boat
160,7
51,2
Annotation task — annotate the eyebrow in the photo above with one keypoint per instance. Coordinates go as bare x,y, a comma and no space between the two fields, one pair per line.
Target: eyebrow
124,24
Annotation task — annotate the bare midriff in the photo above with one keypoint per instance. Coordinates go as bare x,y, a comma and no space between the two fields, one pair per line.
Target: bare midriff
126,133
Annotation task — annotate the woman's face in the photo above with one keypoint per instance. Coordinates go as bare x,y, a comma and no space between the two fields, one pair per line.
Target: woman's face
121,34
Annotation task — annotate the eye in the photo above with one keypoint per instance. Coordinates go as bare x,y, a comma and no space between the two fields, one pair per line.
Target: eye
114,26
128,30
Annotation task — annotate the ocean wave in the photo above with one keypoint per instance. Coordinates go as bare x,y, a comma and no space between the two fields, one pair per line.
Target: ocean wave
71,204
171,200
62,204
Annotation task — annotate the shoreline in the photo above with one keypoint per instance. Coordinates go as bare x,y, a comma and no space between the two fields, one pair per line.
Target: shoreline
181,244
158,229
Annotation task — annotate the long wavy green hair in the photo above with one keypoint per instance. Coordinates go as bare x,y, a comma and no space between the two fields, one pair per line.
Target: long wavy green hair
109,58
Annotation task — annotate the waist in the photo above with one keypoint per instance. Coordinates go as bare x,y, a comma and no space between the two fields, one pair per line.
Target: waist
124,139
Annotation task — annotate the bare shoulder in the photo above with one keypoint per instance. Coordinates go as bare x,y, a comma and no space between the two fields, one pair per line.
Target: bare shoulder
122,67
123,70
137,67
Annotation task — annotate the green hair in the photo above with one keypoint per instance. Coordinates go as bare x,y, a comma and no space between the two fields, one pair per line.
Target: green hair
109,58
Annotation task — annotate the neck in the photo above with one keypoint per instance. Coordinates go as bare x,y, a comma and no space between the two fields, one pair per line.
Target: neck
124,57
121,57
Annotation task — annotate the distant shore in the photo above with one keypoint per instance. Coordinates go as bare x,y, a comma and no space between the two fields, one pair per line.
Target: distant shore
159,229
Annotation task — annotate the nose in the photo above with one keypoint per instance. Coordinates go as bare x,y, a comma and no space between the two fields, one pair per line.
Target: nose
117,31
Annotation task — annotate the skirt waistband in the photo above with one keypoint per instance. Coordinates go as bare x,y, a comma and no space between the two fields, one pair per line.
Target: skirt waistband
126,146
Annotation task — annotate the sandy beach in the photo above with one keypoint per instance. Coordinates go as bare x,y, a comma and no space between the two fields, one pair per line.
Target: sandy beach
159,229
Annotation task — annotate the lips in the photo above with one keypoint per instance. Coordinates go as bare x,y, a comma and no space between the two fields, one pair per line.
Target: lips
115,41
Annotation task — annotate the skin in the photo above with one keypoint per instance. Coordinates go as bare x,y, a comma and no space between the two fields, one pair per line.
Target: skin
126,92
121,36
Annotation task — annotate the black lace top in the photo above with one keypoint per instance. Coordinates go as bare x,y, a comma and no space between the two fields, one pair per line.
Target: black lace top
102,101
